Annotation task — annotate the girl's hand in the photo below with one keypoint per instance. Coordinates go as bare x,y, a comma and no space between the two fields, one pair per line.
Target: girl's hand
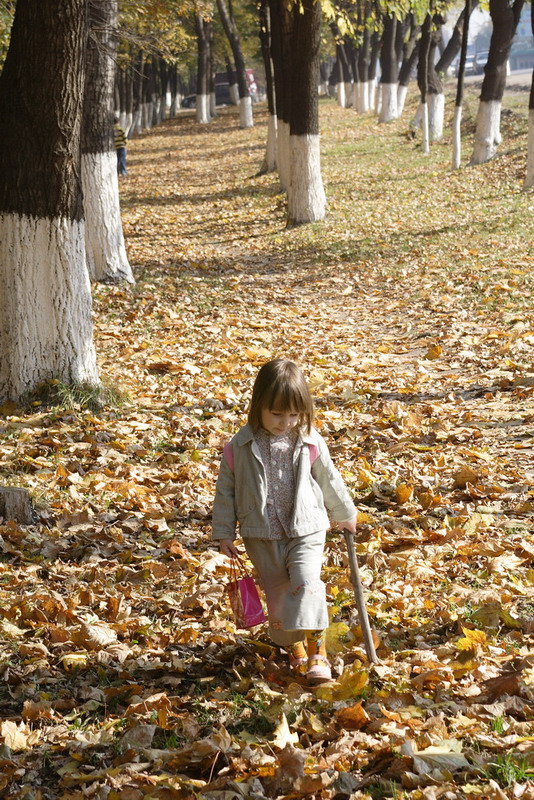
348,525
228,548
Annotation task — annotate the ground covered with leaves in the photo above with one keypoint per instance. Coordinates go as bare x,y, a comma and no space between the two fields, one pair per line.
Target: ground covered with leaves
410,309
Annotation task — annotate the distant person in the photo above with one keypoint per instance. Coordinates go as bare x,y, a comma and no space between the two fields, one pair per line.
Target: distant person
120,146
277,480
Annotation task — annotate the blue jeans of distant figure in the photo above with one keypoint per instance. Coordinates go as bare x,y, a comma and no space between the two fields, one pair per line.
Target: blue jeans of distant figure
121,161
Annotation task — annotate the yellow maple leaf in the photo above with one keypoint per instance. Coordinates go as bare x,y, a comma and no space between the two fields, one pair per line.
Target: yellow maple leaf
473,639
350,684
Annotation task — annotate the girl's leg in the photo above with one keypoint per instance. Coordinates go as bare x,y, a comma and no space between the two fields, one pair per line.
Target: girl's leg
269,559
305,606
298,657
316,644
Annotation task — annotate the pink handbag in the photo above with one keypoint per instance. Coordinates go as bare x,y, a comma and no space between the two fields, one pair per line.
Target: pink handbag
244,597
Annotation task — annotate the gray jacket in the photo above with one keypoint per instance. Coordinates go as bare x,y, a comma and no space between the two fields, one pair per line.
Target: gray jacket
241,492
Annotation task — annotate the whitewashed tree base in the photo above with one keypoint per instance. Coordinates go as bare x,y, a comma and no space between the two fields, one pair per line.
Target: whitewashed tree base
104,241
246,120
340,94
388,106
426,128
363,104
136,123
203,104
126,121
306,199
436,116
146,120
487,134
46,330
356,96
457,138
373,97
282,142
270,160
402,91
529,177
348,94
417,121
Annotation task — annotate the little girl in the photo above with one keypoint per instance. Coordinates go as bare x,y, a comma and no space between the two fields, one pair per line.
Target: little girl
277,480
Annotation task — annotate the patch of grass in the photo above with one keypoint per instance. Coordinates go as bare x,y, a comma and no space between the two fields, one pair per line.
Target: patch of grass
58,395
509,769
167,740
497,724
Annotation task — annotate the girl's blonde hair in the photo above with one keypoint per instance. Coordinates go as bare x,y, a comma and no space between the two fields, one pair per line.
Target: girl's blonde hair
281,386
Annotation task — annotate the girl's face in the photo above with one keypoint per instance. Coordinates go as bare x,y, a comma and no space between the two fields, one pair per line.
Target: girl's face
279,422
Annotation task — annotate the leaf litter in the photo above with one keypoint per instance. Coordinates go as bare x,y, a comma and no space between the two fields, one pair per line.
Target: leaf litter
409,308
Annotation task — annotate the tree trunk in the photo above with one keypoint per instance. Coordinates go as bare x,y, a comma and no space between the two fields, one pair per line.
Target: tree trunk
388,63
45,307
364,59
436,97
173,87
281,21
407,68
211,71
352,56
137,108
341,83
422,79
245,101
104,241
306,198
164,86
232,82
16,504
203,106
457,122
529,178
454,44
505,18
376,42
269,161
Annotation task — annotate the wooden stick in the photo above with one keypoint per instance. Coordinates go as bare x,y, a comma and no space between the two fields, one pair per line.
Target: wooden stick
360,600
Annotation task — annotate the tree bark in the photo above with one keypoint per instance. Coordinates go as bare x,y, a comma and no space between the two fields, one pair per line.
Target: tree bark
364,60
457,122
529,178
505,18
232,81
203,106
455,42
306,198
137,107
269,161
45,298
373,67
281,21
104,241
16,504
436,96
389,78
246,119
409,60
422,79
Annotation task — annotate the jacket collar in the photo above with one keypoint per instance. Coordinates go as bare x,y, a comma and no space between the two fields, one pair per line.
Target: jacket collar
246,434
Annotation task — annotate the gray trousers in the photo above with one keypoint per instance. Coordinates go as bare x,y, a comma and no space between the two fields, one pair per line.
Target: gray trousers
290,575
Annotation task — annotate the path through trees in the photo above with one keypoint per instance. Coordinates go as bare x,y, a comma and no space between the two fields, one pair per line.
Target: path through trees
409,307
